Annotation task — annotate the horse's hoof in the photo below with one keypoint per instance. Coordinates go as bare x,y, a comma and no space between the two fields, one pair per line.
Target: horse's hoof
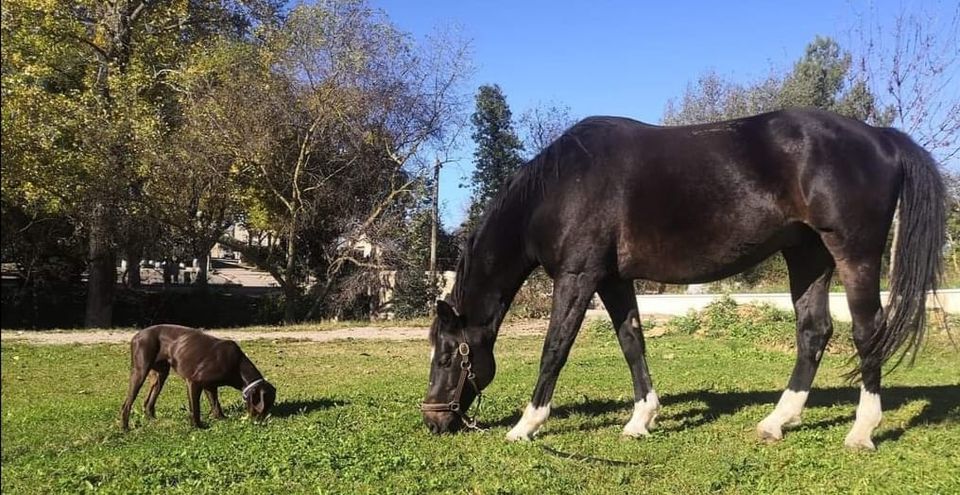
794,421
856,443
635,432
769,434
520,434
518,437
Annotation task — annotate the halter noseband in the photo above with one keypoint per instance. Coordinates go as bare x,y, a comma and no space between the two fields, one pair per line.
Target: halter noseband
466,375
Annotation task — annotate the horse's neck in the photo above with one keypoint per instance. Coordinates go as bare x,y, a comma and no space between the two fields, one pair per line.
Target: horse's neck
499,265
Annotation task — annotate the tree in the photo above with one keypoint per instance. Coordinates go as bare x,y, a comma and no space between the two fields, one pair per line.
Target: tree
416,287
497,155
329,121
96,69
915,76
822,78
542,124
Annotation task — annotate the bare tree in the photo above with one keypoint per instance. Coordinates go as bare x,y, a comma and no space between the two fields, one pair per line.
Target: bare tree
331,122
541,124
914,68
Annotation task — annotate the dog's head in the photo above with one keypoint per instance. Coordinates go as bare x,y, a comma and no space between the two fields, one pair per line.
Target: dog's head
260,399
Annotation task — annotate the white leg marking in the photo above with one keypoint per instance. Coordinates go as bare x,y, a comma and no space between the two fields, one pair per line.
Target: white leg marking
787,413
644,416
869,413
528,426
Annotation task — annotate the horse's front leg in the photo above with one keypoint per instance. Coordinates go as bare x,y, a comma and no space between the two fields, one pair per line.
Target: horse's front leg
621,303
571,295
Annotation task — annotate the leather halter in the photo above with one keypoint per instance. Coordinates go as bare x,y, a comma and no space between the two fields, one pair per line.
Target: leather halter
454,406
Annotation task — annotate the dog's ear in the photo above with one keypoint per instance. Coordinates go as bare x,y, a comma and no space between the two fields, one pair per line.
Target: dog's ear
256,402
262,399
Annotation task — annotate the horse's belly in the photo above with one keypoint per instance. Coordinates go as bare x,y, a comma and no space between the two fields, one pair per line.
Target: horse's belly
703,258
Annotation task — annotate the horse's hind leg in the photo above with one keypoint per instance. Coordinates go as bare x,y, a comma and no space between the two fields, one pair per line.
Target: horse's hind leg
621,303
861,279
571,295
811,268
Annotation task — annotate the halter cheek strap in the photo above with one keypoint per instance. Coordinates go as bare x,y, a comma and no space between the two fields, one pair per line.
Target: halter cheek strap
466,375
246,390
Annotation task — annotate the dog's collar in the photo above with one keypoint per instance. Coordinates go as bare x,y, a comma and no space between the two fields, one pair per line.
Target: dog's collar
246,390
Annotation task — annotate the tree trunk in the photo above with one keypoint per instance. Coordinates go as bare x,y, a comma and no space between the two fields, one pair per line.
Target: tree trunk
202,261
290,291
290,297
102,268
133,255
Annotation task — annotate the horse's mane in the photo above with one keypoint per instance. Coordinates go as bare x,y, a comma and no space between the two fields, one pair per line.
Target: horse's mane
528,184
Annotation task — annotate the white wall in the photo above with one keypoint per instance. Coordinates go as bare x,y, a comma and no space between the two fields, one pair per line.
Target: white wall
680,304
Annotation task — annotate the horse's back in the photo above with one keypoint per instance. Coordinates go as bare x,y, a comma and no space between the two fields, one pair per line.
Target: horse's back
700,202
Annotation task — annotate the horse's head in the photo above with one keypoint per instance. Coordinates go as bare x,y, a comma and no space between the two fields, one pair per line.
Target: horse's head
461,365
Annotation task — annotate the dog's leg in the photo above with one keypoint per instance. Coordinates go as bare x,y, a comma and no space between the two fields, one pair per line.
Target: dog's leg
215,410
193,395
159,378
138,373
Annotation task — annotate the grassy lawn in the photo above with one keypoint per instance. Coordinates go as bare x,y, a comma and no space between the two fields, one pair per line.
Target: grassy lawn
347,422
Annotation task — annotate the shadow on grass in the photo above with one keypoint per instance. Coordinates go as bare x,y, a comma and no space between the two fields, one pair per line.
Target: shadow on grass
942,406
589,407
294,407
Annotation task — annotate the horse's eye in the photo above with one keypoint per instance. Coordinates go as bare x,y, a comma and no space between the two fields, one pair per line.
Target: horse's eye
445,361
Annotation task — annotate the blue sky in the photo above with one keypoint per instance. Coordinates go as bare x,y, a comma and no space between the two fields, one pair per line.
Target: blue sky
622,57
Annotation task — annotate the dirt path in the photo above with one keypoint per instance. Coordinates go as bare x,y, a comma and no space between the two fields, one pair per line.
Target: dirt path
359,333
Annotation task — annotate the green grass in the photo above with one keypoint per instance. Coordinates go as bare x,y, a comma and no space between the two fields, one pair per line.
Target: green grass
347,422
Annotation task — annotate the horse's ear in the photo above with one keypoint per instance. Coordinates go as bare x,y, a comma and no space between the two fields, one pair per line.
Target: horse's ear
446,314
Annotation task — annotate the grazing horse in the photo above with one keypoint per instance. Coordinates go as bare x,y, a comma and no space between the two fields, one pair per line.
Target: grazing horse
613,200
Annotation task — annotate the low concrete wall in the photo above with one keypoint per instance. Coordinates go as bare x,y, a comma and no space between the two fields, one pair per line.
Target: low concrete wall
680,304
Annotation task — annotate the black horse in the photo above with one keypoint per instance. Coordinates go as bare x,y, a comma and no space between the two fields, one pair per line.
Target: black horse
613,200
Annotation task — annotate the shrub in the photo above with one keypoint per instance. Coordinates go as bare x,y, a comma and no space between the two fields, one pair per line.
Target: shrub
725,318
414,294
686,325
535,297
598,327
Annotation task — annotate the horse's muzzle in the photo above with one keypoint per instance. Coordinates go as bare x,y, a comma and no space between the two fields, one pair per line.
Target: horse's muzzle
440,422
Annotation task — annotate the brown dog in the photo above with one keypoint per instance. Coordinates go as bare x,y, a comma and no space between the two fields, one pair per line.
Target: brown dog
204,361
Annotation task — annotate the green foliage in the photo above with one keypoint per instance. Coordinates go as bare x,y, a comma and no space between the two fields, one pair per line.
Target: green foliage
414,294
346,422
598,327
88,111
687,324
497,155
725,318
121,114
822,78
535,297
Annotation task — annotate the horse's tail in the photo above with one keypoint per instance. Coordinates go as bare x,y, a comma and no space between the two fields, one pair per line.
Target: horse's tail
917,260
